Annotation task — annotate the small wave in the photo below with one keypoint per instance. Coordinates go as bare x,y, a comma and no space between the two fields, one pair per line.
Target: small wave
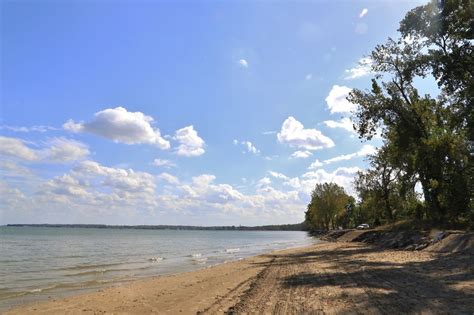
101,271
38,290
200,260
197,255
89,266
85,273
155,259
232,250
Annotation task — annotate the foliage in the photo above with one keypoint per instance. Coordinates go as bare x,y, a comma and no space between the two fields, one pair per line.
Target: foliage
426,139
328,207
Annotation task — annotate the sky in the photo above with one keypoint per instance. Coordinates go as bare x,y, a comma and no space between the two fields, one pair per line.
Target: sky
181,112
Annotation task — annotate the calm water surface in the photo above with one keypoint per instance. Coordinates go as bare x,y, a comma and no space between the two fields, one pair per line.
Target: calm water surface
44,263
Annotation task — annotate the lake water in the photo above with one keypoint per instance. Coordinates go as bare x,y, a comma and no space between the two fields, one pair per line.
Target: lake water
43,263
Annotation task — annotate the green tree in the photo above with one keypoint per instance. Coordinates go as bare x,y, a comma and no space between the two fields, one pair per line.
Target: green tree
426,137
327,207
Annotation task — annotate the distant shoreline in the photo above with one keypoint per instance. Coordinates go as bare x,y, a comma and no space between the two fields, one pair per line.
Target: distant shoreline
282,227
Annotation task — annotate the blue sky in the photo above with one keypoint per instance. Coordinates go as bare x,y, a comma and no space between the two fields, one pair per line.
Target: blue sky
180,112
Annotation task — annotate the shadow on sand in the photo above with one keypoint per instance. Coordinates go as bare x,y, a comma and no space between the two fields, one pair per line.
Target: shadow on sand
443,284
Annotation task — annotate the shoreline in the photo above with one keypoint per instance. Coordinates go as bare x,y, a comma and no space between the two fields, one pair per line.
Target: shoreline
77,292
328,277
40,306
46,269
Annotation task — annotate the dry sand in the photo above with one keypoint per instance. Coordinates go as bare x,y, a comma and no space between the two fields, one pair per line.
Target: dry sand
327,278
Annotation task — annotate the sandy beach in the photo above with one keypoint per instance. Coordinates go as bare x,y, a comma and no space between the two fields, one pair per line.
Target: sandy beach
335,277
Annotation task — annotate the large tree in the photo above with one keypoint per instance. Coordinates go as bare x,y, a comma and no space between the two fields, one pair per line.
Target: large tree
427,137
327,207
380,182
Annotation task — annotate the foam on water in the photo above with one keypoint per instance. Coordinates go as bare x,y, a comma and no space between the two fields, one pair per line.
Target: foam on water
232,250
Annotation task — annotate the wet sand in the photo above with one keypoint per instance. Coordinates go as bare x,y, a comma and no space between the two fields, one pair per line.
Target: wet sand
326,278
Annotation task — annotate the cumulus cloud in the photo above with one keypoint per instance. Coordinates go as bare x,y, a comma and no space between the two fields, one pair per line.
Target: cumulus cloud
343,176
293,183
14,169
64,150
337,102
316,164
190,142
202,188
265,181
120,125
66,185
123,180
17,148
301,154
363,12
92,191
243,63
163,163
363,68
99,189
169,178
55,150
278,175
295,135
249,146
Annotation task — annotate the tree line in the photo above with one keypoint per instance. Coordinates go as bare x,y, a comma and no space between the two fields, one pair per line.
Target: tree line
428,140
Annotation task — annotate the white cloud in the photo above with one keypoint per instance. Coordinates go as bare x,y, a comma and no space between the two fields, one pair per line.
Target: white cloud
293,182
265,181
203,189
14,169
271,132
249,146
243,63
17,148
91,190
367,149
163,163
39,128
363,12
56,150
309,76
120,125
63,150
301,154
337,102
124,182
66,185
343,176
190,142
278,175
363,68
169,178
316,164
295,135
345,123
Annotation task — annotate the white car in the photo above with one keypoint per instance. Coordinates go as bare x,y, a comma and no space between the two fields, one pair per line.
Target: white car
363,226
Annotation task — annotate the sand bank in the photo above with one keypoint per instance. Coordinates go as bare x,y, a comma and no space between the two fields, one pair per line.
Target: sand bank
324,278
